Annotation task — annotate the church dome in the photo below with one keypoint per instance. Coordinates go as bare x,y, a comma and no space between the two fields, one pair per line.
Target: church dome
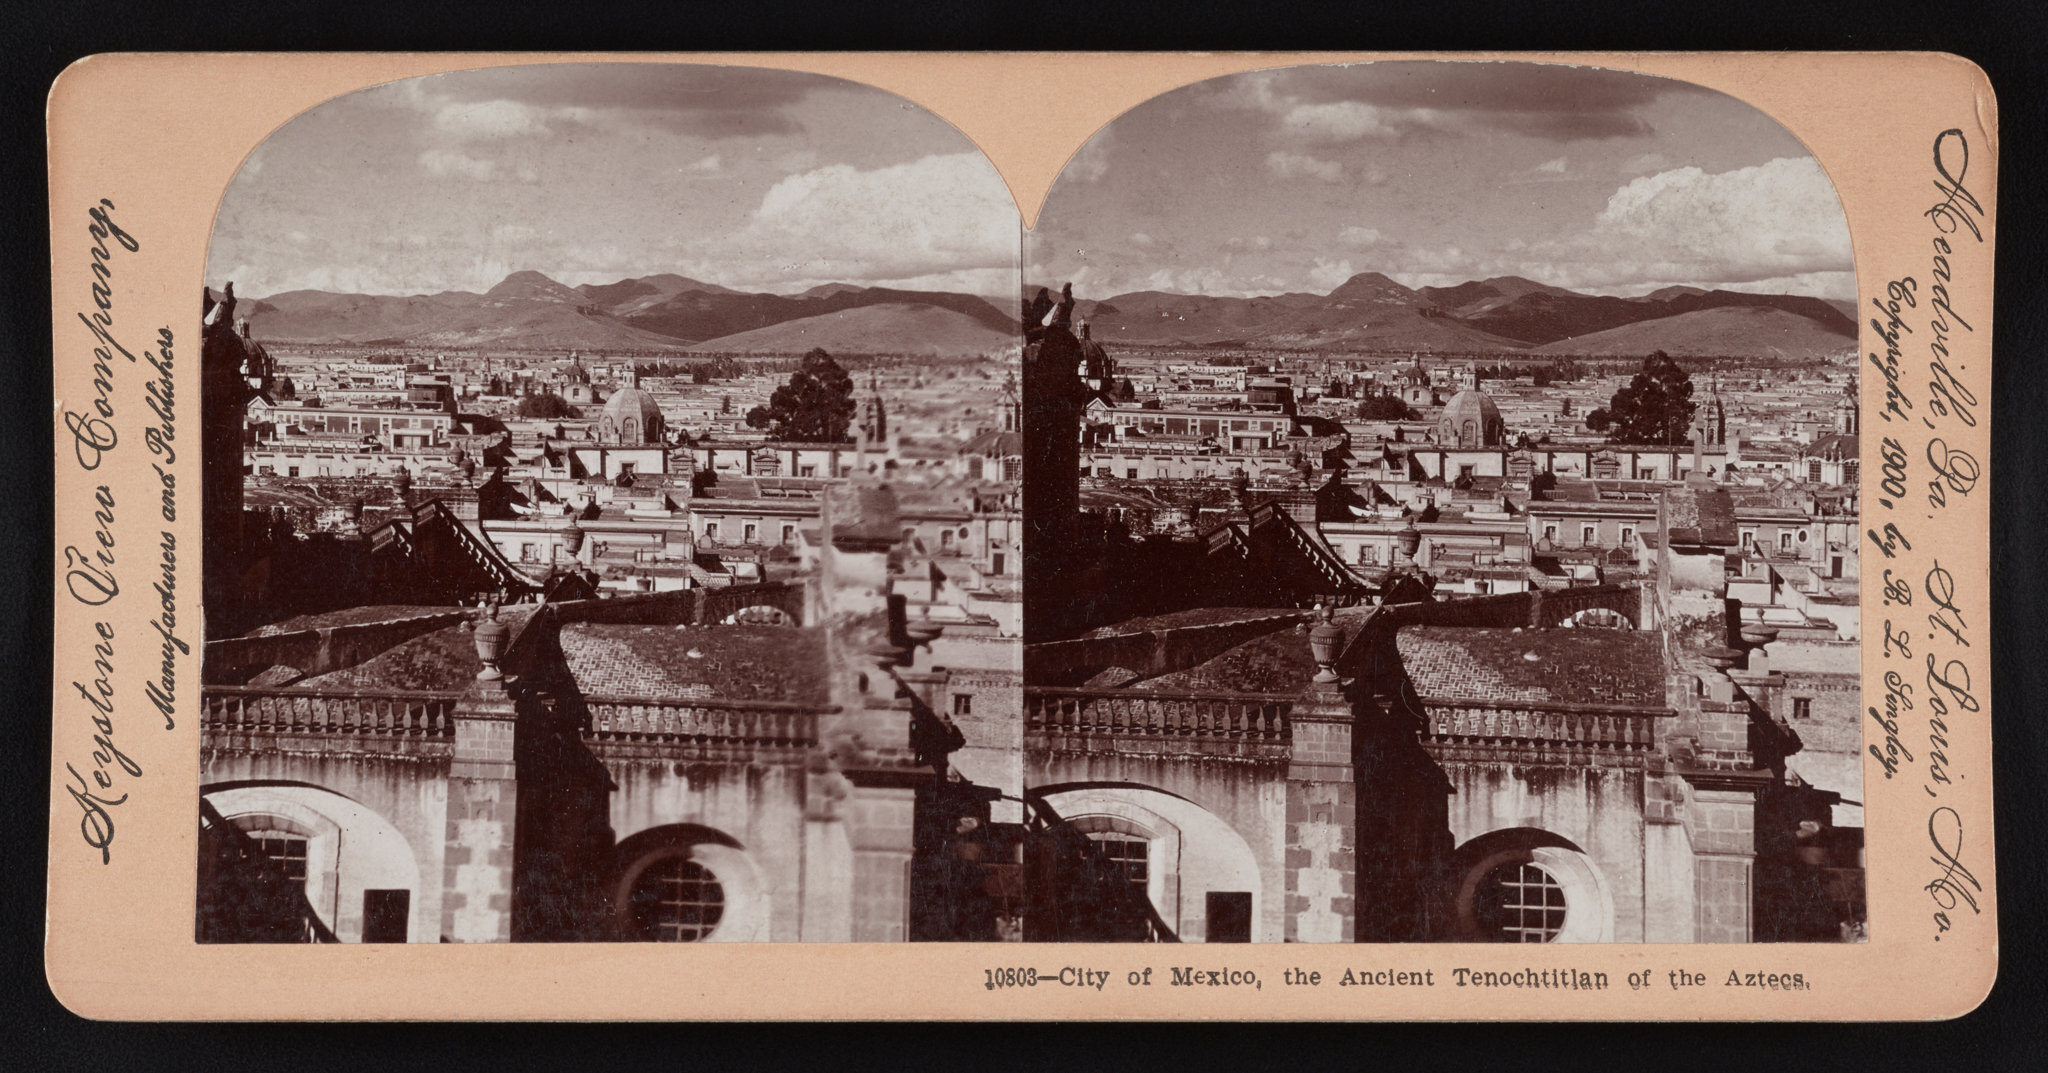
631,416
1471,420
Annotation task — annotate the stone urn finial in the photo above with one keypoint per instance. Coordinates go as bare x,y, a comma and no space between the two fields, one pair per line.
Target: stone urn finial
1720,657
491,638
1323,642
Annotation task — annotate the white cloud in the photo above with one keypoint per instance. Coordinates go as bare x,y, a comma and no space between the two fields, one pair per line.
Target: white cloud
1330,274
447,163
1347,121
1292,165
1363,238
708,164
1140,238
490,119
1780,218
1550,167
516,234
932,216
1212,280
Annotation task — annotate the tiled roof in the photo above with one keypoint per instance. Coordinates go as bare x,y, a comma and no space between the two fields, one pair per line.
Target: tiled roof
1700,515
444,660
776,663
1279,662
1572,666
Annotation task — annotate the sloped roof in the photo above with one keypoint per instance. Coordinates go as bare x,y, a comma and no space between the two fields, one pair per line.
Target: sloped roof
1701,515
443,661
771,663
1572,666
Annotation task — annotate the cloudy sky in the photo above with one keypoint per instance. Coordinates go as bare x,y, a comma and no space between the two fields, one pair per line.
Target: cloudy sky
749,178
1436,173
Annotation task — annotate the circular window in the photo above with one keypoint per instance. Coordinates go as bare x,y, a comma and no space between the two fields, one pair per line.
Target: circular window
676,901
1519,903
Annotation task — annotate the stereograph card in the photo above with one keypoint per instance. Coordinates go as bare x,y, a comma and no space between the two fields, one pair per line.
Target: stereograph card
950,536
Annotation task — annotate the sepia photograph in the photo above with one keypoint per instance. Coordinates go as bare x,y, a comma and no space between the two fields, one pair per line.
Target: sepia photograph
611,516
945,536
1442,508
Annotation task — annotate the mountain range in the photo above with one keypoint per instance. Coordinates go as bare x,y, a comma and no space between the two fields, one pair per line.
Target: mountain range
660,312
1369,311
1503,314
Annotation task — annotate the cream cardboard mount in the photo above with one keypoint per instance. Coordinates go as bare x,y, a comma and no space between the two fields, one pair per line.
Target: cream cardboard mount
1342,623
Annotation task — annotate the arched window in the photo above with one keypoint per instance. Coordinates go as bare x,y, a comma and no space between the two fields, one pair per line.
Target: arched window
629,433
1523,885
1126,854
287,848
685,884
1470,435
1520,903
677,901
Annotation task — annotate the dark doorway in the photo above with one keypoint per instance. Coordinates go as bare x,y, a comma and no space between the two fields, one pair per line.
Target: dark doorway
384,915
1230,916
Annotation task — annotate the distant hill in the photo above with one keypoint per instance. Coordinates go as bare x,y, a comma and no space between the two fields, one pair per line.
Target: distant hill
1370,311
901,328
1761,331
1469,299
629,296
532,286
704,316
1541,318
664,311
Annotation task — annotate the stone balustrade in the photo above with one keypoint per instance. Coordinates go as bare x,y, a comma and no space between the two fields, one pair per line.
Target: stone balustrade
1585,727
360,713
1132,713
711,721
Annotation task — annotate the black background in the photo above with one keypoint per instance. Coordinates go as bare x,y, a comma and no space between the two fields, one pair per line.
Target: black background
2006,39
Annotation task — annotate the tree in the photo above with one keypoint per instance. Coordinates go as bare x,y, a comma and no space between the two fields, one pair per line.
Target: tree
546,406
1655,407
1386,408
816,406
1127,392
